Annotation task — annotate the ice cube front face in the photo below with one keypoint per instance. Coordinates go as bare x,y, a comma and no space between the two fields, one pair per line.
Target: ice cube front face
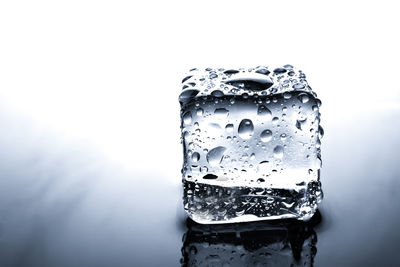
251,144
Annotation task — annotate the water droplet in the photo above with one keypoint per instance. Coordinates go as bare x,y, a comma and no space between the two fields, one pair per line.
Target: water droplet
199,112
231,71
195,157
264,111
278,152
221,113
203,169
252,156
279,70
303,98
263,71
229,127
300,124
320,131
217,93
213,76
246,129
210,176
252,81
187,117
260,180
187,95
186,78
283,137
264,166
270,200
275,120
266,136
318,143
214,156
287,95
299,86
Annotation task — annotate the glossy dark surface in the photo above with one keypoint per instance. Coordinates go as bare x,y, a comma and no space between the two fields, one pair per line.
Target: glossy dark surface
63,205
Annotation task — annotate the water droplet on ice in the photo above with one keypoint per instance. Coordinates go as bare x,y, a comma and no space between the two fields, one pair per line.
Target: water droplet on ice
303,98
217,93
320,131
188,94
246,129
213,76
263,71
203,169
229,127
266,136
264,111
300,123
299,86
214,156
200,112
231,71
186,78
195,157
287,95
278,152
187,118
210,176
221,113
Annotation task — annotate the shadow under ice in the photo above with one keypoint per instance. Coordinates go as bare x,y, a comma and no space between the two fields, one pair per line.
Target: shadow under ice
263,243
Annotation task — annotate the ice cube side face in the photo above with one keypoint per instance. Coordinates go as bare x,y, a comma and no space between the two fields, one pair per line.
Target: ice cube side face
251,145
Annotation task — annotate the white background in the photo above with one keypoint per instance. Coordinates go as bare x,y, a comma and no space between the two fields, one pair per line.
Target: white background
107,73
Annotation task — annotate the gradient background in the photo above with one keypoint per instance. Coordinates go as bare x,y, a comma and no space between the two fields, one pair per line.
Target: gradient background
90,156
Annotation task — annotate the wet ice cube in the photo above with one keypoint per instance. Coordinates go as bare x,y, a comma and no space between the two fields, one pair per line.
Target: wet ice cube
251,141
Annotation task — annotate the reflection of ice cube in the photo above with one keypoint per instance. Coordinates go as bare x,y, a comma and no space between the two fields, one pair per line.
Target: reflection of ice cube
275,243
251,145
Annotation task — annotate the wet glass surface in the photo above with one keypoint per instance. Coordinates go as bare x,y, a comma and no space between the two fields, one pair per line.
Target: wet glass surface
61,204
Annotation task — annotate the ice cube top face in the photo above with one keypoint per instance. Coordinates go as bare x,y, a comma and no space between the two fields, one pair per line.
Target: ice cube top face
251,141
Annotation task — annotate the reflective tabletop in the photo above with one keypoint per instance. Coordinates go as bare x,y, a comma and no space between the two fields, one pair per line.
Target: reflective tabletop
64,204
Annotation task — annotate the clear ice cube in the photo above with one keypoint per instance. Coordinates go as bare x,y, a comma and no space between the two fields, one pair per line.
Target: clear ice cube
251,144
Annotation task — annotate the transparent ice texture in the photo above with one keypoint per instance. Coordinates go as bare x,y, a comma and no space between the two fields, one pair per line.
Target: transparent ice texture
251,144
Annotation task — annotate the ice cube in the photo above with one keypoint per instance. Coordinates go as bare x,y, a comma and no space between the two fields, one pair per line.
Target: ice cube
251,143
